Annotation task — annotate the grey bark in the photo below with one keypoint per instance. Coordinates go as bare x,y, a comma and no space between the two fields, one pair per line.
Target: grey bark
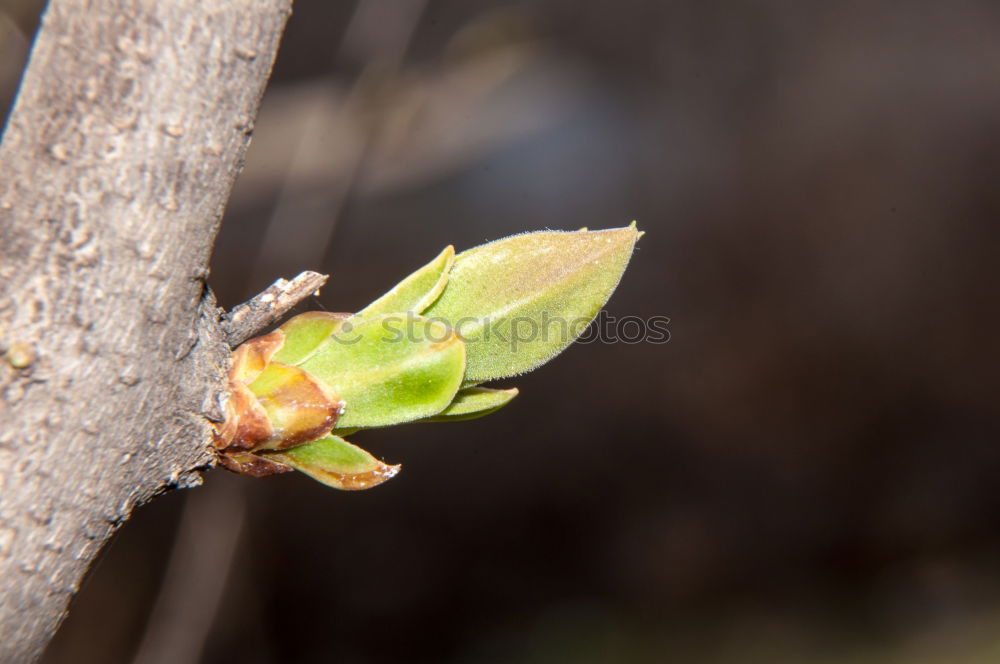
130,126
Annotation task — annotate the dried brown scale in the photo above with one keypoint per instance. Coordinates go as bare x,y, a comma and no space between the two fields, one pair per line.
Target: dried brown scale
246,423
253,465
314,407
253,356
298,410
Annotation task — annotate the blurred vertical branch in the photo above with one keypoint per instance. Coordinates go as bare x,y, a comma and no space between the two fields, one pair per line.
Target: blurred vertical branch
14,42
193,586
377,36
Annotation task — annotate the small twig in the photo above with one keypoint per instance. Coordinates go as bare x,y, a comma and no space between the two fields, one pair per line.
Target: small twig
265,308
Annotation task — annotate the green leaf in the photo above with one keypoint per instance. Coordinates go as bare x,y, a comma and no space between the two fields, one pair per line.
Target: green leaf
391,369
417,291
473,402
519,301
304,333
337,463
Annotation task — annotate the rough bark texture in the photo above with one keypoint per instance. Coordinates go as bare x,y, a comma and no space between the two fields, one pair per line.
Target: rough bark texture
130,126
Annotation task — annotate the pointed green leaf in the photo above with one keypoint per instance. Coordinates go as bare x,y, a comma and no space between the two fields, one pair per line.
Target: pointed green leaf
473,402
417,291
337,463
305,332
391,369
520,301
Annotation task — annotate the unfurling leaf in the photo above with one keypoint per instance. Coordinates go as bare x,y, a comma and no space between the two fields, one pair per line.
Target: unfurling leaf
337,463
416,353
520,301
417,291
473,402
305,332
390,369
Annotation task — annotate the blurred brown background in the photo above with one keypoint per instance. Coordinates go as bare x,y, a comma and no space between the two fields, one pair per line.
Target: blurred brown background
807,472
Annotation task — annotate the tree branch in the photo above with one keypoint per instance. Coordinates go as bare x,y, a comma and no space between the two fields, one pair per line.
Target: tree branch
129,128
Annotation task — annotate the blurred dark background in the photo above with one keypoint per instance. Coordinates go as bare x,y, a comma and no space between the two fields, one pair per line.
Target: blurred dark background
807,472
